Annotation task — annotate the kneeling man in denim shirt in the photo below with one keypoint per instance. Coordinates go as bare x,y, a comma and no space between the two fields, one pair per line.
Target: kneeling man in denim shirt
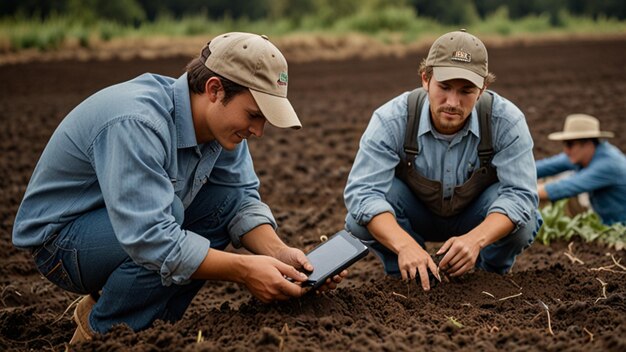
455,170
599,168
144,184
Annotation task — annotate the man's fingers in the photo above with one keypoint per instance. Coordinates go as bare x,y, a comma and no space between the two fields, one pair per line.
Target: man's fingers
339,278
305,263
302,260
288,290
445,247
434,269
290,272
424,277
450,259
405,274
329,285
462,270
456,266
412,273
445,261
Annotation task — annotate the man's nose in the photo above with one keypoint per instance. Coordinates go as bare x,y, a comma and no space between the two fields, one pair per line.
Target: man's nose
257,127
453,99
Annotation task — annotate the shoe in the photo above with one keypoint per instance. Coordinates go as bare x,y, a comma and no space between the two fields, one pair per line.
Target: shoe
81,317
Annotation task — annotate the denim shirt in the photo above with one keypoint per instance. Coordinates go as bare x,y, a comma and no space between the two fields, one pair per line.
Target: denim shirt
451,163
132,148
604,179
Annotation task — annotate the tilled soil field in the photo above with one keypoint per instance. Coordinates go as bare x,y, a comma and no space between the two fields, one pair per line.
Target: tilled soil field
303,174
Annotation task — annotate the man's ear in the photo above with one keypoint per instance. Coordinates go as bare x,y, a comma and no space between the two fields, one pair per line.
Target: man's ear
424,81
212,87
481,91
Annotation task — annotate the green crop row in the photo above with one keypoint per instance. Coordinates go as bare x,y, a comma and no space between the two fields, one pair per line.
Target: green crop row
587,226
18,33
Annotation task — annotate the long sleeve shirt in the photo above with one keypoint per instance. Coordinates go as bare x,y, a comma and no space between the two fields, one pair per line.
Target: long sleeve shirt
604,179
381,149
132,148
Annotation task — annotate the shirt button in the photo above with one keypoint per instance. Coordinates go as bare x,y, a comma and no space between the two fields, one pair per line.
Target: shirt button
204,180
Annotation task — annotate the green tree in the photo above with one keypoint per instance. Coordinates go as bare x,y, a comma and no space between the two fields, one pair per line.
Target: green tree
122,11
457,12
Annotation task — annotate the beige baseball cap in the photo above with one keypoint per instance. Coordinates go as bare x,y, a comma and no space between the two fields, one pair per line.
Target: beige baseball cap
252,61
580,126
458,55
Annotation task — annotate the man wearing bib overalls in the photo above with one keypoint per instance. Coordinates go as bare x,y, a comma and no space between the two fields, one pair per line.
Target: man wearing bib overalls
449,162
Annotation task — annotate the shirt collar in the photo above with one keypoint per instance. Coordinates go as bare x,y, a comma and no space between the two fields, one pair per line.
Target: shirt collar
426,125
186,133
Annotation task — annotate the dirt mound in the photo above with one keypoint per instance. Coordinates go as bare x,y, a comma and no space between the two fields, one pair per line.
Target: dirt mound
302,175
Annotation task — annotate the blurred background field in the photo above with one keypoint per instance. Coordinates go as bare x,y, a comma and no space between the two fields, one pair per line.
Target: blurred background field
129,28
308,30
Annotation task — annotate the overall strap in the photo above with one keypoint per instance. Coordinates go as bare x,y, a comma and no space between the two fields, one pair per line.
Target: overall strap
483,108
415,102
485,147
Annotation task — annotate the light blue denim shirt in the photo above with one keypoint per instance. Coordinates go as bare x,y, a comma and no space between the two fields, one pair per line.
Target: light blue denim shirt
604,179
381,149
132,148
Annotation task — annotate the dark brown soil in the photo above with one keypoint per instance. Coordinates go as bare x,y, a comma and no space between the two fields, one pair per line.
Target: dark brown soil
303,174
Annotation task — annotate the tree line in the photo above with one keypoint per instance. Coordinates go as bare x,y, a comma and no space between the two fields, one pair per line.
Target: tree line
450,12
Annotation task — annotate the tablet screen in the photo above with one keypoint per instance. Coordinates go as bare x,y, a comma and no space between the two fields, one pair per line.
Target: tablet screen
330,256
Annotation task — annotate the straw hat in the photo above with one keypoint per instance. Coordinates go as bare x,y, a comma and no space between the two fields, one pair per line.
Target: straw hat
580,126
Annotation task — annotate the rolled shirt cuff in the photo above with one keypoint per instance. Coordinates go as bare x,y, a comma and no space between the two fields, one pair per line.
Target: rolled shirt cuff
191,251
372,208
246,220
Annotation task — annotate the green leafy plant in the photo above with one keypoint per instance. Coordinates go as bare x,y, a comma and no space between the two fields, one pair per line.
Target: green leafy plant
557,225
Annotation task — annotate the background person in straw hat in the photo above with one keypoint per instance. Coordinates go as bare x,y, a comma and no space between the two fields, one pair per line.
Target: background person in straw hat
599,168
144,183
454,170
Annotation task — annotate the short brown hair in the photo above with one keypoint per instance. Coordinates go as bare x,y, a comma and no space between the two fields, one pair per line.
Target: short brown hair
198,74
428,70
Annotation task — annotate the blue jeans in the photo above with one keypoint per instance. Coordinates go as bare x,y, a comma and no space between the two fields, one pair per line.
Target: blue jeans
85,257
415,218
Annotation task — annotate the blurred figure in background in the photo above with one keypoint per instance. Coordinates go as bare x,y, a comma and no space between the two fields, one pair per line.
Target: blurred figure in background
449,162
144,183
599,168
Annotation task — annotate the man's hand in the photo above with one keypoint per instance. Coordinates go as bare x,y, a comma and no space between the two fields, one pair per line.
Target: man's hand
413,260
541,191
460,256
462,251
265,279
298,259
294,257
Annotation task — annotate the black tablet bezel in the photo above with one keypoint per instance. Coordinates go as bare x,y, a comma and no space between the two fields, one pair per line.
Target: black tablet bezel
361,252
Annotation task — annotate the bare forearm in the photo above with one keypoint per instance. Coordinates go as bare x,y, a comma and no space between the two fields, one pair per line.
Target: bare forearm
219,265
386,230
263,240
494,227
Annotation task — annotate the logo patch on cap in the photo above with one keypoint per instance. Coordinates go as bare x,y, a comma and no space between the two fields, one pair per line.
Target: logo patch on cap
282,79
461,56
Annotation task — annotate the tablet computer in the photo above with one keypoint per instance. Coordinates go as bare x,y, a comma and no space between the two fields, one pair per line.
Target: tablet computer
331,257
